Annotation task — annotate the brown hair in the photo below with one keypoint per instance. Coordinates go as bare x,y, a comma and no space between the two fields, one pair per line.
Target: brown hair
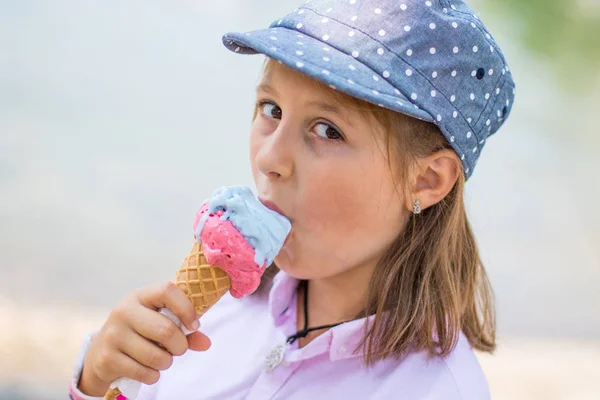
430,284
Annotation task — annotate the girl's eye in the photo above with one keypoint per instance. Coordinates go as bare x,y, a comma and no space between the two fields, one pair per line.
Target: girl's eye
326,131
270,110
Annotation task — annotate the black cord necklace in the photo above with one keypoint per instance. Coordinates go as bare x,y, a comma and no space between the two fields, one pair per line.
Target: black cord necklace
303,332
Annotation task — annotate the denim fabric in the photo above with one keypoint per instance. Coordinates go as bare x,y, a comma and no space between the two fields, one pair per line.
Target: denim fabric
432,60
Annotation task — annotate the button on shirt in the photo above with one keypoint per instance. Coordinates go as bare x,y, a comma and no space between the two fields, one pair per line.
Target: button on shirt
244,332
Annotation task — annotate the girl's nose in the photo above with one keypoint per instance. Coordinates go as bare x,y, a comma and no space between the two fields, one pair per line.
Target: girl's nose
275,158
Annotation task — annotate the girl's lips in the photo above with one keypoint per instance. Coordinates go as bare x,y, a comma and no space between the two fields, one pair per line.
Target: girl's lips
272,206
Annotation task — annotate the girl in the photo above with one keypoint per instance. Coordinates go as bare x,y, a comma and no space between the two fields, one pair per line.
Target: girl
370,115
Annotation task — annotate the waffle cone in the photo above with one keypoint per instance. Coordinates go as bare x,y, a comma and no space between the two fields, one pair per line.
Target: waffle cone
204,284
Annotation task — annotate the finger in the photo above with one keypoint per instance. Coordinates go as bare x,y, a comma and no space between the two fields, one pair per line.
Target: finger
168,295
158,328
129,368
198,341
147,353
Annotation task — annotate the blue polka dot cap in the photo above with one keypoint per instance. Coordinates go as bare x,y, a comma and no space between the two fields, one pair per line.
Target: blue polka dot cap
432,60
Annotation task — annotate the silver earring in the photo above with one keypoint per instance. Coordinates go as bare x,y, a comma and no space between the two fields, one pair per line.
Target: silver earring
417,207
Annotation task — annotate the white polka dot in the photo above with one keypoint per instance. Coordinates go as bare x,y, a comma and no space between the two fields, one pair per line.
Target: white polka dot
488,122
452,98
409,72
428,3
413,96
351,33
381,32
452,139
507,103
475,49
355,54
375,92
273,38
455,114
407,28
491,49
299,64
432,26
499,113
491,72
333,87
403,7
299,52
378,11
328,10
487,35
352,67
399,102
455,25
299,26
433,93
350,81
472,96
354,18
473,73
397,92
325,72
439,117
326,48
300,43
432,50
452,6
327,59
475,149
455,49
453,73
386,74
497,90
434,74
469,134
238,49
503,71
409,52
325,37
375,78
301,12
473,25
380,51
469,120
487,96
325,20
462,157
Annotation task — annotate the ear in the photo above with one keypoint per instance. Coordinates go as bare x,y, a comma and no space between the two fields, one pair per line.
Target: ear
433,178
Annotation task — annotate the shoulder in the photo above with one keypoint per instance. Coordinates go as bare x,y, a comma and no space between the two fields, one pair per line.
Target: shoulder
455,377
463,366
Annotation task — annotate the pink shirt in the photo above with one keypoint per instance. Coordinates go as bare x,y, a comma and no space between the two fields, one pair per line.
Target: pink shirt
243,333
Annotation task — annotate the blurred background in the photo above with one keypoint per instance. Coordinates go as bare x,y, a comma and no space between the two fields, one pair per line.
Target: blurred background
107,109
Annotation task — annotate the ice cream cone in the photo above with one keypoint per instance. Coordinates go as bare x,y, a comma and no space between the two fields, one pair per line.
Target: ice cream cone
204,284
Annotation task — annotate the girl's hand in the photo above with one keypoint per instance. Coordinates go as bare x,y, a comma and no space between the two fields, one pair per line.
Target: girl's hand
127,345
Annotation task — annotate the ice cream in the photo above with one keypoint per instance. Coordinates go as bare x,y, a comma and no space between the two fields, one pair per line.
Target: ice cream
240,235
237,238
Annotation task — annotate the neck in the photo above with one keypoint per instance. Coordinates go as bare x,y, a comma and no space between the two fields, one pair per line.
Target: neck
333,299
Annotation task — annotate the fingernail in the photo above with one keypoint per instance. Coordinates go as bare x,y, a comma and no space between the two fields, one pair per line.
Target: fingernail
195,325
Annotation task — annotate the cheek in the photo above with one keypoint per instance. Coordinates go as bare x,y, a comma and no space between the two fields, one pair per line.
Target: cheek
358,203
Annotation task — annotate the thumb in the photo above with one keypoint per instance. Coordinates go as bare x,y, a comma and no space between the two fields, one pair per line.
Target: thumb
198,341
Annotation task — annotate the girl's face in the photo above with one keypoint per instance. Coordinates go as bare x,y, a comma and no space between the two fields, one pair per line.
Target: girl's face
324,168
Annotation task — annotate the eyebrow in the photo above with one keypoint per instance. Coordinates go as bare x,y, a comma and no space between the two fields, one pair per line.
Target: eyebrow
323,106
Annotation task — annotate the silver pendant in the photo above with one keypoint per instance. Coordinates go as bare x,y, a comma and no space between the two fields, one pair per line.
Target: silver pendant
274,358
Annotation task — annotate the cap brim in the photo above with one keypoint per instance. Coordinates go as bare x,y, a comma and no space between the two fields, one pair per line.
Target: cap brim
326,64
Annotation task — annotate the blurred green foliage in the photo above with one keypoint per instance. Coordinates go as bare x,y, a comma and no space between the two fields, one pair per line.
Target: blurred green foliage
565,32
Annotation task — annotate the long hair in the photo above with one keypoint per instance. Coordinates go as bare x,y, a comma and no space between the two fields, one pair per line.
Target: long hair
430,284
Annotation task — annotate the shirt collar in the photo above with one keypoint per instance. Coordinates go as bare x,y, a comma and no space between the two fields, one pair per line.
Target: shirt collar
342,340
